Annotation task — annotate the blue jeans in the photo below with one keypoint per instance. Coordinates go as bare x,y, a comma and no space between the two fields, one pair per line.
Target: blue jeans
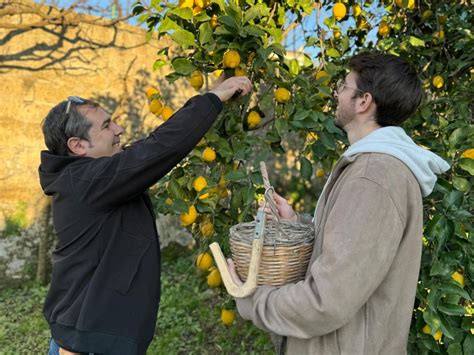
54,348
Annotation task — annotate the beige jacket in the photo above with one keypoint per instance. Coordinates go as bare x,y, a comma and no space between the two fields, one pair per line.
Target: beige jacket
359,291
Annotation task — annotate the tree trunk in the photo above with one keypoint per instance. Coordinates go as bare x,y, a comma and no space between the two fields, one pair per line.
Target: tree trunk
43,255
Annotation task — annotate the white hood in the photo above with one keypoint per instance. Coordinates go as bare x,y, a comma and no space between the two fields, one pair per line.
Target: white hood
425,165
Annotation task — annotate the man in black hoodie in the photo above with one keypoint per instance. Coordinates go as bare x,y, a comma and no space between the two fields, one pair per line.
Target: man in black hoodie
105,285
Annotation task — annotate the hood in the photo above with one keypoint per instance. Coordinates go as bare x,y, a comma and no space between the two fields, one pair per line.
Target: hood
425,165
51,168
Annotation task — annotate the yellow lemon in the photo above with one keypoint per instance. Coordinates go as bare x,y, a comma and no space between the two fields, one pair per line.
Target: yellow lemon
231,59
199,183
166,113
207,229
151,91
204,261
320,172
323,74
201,3
410,3
469,153
214,278
240,72
426,329
209,154
384,29
356,10
337,34
227,316
439,35
253,119
189,217
204,196
196,80
155,107
217,73
437,336
458,277
311,136
213,22
438,81
282,95
339,11
196,10
186,3
169,201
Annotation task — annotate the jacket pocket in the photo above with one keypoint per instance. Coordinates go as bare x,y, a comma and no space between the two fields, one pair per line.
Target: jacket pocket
128,251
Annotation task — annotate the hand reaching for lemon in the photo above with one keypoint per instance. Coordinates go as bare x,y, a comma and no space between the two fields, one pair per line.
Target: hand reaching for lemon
229,87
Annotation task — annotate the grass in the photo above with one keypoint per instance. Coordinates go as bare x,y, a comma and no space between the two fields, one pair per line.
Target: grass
188,322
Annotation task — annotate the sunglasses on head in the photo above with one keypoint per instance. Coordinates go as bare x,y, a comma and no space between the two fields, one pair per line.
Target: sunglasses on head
75,100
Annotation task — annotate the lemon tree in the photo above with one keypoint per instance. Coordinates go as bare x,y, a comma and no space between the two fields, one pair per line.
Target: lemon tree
289,114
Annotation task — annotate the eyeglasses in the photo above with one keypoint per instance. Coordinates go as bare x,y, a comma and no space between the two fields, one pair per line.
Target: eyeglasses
341,84
75,100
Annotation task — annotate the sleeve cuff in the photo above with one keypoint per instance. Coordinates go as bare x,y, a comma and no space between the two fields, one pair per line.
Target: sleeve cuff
215,101
245,307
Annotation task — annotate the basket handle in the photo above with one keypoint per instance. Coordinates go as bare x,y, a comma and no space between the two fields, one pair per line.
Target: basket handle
269,190
250,284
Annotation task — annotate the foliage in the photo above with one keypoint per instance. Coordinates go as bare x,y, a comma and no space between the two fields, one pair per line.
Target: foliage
435,36
184,324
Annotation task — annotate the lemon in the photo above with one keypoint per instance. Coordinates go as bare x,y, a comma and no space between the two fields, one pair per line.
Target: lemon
410,3
204,261
339,11
199,183
458,277
384,29
213,22
438,81
151,91
201,3
253,119
209,154
439,35
155,107
189,217
426,329
196,80
231,59
469,153
214,278
169,201
227,316
217,73
337,34
196,10
437,336
282,95
311,136
186,3
240,72
323,74
356,10
166,113
320,172
207,229
204,196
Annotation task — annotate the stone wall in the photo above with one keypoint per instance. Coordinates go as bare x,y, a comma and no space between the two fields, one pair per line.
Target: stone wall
39,67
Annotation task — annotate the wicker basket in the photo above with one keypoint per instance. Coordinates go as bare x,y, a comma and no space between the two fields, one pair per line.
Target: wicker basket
287,246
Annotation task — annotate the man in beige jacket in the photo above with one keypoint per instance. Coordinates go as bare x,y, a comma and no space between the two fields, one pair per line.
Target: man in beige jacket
359,290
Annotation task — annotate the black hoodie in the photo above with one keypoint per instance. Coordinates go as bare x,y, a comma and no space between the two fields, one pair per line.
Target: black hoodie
105,286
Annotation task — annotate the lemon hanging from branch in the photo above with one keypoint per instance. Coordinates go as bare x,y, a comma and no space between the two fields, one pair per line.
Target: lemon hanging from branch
339,11
196,80
231,59
282,95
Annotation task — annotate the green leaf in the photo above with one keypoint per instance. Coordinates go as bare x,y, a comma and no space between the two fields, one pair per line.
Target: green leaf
306,168
182,66
167,25
416,42
452,309
184,12
183,38
454,288
467,164
248,195
457,137
468,345
175,189
461,184
179,206
205,33
294,67
235,176
333,53
453,200
158,64
230,23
